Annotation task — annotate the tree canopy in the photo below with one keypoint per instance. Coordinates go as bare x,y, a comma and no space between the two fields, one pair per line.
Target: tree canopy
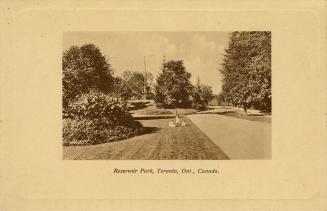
135,82
121,89
85,68
173,87
202,94
246,70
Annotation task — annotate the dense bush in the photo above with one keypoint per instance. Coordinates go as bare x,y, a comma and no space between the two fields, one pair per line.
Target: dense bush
84,132
202,95
95,117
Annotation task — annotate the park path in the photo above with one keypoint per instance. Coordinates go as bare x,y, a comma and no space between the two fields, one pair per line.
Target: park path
238,138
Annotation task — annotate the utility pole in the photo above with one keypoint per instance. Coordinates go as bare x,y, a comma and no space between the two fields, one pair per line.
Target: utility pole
164,59
145,80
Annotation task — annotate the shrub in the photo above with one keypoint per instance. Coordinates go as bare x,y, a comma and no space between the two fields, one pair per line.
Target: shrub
85,132
202,95
97,118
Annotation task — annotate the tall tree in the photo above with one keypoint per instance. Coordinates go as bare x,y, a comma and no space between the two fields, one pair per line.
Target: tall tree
173,87
85,68
246,70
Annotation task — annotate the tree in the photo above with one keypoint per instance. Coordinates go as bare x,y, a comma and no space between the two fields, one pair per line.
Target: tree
173,87
246,70
202,94
135,82
85,68
121,89
221,98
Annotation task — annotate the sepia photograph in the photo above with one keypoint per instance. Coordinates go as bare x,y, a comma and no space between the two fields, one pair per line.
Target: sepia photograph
163,105
188,95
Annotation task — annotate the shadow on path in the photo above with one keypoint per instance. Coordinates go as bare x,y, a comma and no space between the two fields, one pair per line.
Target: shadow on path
138,105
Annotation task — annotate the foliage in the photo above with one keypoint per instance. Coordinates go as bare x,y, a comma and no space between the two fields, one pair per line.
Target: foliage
84,68
85,132
135,82
101,108
220,99
246,70
121,89
173,86
202,95
97,118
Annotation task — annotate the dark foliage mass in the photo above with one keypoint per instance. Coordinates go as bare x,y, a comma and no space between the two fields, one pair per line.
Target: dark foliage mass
121,89
136,82
93,111
97,118
84,68
246,70
131,86
173,87
202,95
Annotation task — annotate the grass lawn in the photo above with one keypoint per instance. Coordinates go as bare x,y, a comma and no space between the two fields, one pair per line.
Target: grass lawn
253,115
159,142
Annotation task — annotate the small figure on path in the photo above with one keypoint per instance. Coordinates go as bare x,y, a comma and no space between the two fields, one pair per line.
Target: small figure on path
245,108
171,124
183,123
177,120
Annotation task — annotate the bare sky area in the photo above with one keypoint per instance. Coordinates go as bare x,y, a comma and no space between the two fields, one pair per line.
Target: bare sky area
202,52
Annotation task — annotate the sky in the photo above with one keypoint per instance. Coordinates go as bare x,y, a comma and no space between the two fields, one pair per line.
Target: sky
202,52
